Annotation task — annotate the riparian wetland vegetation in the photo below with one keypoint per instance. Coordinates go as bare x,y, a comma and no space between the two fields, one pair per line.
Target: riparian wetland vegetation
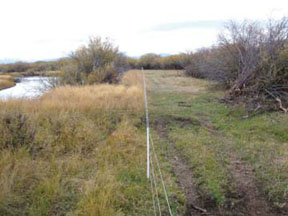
218,117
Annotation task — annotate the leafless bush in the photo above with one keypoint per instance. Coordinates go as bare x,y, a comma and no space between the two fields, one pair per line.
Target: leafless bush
199,63
250,59
261,74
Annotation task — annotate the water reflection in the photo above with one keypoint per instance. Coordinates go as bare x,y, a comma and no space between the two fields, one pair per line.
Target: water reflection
27,87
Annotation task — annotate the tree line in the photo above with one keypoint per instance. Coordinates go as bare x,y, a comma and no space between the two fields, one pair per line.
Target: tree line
31,67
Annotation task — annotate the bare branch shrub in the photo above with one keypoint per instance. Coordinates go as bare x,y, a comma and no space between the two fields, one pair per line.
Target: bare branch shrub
251,60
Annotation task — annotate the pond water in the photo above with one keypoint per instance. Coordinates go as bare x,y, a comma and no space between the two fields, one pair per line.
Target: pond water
27,87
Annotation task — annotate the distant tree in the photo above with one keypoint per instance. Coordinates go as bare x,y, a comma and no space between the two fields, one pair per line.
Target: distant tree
172,62
149,61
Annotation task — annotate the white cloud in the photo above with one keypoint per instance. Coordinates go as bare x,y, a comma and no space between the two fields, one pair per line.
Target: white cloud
37,29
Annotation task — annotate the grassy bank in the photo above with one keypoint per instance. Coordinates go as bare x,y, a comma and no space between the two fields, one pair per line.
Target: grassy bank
239,165
6,81
76,151
34,73
81,151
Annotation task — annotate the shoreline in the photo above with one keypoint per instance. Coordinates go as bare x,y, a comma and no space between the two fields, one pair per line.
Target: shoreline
7,87
6,82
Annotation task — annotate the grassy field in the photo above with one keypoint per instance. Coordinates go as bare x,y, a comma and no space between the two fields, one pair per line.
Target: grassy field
6,81
238,165
81,151
77,151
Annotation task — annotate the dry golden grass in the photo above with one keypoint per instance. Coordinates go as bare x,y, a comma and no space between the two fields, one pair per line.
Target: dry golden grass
164,80
15,74
132,78
76,151
100,97
128,96
6,81
6,77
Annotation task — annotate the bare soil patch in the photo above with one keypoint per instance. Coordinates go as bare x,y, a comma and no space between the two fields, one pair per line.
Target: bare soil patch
183,172
249,196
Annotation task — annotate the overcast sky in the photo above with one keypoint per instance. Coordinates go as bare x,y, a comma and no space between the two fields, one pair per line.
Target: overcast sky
48,29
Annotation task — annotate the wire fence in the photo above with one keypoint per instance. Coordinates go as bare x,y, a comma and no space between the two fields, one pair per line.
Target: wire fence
151,160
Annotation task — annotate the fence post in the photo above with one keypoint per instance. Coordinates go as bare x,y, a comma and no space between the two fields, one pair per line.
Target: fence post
147,124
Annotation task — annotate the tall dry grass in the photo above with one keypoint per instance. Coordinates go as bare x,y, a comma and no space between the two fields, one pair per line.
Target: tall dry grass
100,97
6,81
75,151
132,78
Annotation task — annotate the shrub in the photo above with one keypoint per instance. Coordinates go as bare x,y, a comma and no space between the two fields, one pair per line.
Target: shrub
197,64
250,59
15,131
98,62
